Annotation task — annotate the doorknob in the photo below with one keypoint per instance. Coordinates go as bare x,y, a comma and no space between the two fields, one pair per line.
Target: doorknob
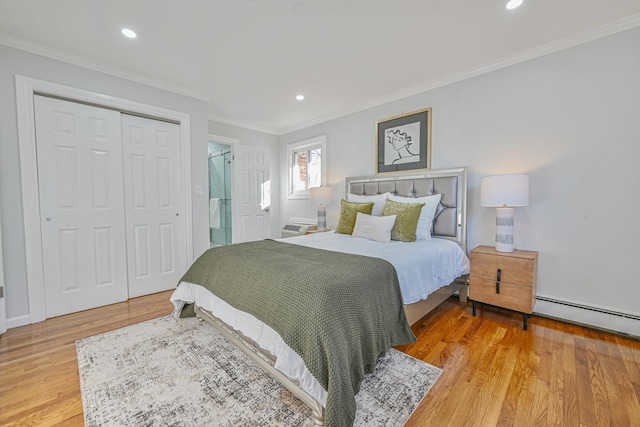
267,209
48,219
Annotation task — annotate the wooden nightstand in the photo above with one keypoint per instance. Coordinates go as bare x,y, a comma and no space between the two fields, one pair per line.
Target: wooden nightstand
504,279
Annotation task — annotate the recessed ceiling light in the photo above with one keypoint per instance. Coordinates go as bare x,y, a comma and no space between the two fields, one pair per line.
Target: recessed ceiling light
129,33
299,97
512,4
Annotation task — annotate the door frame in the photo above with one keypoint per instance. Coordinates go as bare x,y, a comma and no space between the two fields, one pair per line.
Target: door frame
26,87
3,299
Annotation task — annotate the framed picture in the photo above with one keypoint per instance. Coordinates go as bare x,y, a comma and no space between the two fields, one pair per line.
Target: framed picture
404,142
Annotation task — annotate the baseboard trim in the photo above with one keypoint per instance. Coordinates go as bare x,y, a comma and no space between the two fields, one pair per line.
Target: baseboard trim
14,322
592,316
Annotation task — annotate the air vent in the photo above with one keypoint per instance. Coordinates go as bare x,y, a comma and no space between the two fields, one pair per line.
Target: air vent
290,230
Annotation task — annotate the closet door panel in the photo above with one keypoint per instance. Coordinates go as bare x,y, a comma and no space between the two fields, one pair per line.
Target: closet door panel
79,154
155,223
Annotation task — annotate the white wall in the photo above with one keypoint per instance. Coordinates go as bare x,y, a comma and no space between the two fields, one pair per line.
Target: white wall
14,62
252,137
571,121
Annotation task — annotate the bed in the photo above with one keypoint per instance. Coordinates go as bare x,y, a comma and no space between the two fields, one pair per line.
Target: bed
450,222
444,271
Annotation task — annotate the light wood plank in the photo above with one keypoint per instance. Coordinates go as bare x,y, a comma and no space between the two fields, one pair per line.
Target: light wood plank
555,374
39,382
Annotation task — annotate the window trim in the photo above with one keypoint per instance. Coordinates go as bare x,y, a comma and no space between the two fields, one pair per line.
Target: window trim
318,141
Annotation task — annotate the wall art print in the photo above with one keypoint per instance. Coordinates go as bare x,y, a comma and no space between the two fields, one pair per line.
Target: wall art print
404,142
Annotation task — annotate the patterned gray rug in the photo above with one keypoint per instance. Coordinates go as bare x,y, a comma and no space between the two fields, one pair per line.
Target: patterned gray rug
169,372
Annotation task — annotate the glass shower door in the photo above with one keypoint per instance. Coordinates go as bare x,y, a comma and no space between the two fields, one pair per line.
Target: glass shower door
220,196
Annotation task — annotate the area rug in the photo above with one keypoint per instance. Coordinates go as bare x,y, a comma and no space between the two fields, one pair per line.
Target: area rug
181,372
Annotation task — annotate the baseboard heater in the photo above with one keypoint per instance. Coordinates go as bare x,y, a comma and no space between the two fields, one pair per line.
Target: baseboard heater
598,317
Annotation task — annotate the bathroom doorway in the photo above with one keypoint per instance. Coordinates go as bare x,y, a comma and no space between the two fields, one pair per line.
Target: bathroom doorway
220,194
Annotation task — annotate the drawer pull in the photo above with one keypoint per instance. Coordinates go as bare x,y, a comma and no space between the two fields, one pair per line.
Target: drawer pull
498,281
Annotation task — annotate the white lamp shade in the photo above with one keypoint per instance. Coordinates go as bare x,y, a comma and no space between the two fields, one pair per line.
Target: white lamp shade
504,190
320,195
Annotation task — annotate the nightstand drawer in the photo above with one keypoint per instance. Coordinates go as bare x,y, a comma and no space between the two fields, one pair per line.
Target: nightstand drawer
512,270
514,297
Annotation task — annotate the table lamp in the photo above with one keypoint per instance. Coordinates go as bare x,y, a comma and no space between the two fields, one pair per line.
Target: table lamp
321,196
504,192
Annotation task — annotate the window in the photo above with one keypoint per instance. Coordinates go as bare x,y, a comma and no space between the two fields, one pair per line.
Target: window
307,166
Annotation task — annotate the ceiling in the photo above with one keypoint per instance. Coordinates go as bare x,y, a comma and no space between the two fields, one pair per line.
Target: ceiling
250,58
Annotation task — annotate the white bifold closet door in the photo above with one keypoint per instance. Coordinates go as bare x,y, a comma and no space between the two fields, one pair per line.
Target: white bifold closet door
155,223
80,182
112,224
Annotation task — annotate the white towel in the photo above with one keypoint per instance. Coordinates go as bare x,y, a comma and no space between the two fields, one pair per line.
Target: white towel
214,213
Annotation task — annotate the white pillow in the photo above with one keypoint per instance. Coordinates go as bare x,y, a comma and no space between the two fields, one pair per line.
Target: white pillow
379,201
423,232
377,228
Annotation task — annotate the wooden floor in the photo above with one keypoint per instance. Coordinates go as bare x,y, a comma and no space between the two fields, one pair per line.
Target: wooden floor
495,373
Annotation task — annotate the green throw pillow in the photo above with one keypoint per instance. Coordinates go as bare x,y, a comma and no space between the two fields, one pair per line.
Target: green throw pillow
348,213
407,218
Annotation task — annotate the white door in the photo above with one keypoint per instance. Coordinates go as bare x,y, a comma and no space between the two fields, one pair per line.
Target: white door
3,304
251,193
155,221
81,205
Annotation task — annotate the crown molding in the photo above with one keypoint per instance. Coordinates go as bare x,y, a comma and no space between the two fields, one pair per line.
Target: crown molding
237,123
545,49
558,45
83,62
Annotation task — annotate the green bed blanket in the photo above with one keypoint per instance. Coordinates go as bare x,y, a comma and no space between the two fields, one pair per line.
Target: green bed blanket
339,312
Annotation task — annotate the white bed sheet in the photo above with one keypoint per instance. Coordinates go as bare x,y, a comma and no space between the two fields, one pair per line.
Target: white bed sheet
422,268
287,361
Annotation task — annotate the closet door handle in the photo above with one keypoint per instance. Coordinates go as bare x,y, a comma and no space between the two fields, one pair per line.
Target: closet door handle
498,281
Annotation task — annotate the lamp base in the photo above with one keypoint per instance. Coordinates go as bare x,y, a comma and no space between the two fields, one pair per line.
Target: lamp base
504,229
322,218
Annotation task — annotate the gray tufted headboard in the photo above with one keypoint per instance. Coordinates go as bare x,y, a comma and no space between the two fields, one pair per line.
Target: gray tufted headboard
451,215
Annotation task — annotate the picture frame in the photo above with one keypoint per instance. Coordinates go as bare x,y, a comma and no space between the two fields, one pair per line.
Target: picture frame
403,142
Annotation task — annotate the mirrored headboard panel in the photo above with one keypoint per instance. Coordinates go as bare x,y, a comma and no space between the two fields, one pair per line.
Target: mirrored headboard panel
451,215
